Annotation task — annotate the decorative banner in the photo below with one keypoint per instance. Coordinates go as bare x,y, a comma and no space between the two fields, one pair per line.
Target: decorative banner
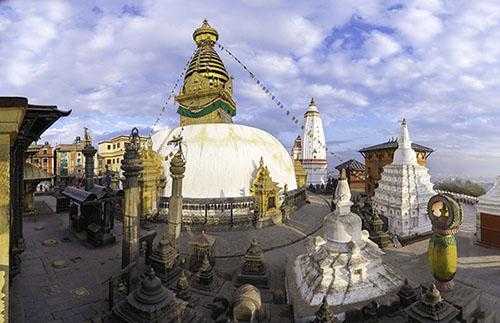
273,97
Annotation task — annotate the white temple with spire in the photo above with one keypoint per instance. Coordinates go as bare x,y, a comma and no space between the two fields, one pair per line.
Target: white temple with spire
343,265
403,191
314,147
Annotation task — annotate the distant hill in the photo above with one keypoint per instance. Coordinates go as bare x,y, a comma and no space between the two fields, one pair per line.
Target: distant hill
461,186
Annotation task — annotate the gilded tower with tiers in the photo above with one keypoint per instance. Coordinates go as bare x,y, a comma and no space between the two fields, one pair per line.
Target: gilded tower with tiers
207,94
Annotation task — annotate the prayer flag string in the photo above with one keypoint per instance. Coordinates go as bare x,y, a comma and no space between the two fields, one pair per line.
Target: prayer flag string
274,98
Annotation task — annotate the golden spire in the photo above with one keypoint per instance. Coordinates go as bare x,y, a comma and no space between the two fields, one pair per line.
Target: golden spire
205,35
206,96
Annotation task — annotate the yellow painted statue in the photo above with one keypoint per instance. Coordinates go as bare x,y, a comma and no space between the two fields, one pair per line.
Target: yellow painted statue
446,216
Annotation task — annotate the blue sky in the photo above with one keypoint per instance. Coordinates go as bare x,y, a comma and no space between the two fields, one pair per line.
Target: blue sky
367,64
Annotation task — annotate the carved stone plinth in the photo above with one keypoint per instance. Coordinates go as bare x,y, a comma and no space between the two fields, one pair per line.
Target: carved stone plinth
163,261
432,308
182,286
377,234
205,275
253,269
151,302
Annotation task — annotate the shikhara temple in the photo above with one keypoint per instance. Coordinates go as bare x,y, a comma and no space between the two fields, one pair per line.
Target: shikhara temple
214,221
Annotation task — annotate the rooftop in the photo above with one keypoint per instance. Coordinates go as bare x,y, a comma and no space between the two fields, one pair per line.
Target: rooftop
351,164
393,144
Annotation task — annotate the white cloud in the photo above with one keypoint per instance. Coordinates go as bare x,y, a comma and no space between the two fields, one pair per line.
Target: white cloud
380,46
435,62
417,25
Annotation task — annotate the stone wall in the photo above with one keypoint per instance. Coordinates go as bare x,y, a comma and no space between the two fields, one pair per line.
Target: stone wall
235,211
213,211
294,200
462,198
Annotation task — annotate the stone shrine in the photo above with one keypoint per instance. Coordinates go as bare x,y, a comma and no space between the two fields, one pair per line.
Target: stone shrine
404,190
343,266
205,275
91,207
253,269
432,308
200,245
151,302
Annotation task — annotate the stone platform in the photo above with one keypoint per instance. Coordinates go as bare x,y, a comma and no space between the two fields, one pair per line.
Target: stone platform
74,288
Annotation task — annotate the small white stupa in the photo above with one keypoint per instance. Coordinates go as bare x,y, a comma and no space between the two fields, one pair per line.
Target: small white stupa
344,265
403,191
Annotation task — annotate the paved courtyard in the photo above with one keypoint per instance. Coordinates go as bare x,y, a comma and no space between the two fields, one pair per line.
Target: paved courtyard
62,280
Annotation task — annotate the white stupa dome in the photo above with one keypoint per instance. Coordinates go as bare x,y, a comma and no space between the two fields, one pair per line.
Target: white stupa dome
222,158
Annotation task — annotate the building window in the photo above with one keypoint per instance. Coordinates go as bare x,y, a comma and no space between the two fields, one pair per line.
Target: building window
109,147
118,145
108,161
45,160
113,160
114,146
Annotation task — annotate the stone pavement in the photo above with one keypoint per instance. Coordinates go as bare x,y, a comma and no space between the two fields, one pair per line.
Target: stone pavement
477,266
75,289
62,280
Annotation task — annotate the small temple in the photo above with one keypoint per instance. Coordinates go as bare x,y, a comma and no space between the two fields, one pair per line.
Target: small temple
310,150
404,190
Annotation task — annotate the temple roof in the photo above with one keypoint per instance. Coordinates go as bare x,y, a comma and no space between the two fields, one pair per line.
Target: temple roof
37,118
351,164
393,144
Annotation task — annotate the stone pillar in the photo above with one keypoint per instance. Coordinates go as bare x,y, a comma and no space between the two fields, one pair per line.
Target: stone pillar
89,153
17,186
164,257
131,166
5,204
12,111
177,169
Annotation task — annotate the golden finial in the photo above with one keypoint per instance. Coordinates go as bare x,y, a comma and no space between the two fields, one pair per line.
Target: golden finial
205,34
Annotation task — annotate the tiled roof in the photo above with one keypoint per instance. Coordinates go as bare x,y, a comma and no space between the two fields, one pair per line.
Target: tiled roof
394,144
351,164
